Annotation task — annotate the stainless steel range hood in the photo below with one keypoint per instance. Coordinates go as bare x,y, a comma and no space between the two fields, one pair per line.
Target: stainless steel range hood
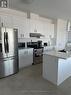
37,35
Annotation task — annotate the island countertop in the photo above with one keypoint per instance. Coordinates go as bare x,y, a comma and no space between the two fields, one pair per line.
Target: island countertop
58,54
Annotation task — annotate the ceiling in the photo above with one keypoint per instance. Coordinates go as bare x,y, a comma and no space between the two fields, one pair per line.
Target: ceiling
47,8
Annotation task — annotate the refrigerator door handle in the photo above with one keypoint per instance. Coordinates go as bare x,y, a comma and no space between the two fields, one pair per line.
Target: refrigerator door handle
7,44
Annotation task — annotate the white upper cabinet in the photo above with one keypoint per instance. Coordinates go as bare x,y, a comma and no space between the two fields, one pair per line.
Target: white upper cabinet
21,24
52,30
14,19
7,20
28,29
34,23
34,26
17,23
47,29
42,25
69,31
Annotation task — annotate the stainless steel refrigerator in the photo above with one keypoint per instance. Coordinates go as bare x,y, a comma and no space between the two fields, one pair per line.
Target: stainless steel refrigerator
8,51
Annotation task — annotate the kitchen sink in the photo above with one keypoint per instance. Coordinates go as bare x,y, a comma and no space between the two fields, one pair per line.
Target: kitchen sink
62,51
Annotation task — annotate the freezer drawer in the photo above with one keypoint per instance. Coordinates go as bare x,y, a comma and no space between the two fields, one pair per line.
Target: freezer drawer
8,67
14,67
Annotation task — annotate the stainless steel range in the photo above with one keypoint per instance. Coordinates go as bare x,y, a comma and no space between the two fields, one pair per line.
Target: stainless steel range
38,56
37,52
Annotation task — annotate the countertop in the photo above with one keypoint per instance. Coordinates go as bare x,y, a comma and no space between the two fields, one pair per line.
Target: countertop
24,48
61,55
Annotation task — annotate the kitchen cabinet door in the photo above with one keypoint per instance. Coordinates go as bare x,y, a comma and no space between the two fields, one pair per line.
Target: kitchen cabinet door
7,20
22,58
26,27
69,36
30,56
47,30
17,24
34,26
50,30
20,24
41,27
25,57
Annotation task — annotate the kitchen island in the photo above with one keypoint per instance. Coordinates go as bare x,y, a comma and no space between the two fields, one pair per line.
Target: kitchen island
56,66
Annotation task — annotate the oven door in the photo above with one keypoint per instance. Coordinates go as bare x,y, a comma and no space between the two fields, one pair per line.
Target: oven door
38,56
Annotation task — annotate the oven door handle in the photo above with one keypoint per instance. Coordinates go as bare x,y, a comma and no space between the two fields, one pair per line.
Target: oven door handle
38,55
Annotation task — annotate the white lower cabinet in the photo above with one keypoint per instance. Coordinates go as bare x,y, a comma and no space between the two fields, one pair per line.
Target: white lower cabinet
48,48
25,57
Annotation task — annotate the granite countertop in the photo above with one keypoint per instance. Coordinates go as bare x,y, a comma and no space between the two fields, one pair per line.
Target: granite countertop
58,54
24,48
